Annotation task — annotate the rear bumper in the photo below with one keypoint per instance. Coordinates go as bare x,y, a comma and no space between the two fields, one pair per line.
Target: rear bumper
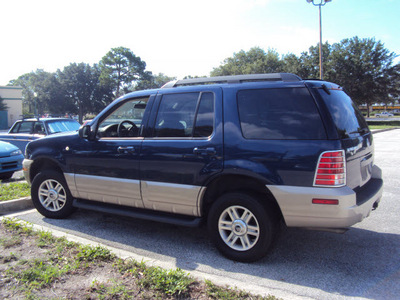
354,205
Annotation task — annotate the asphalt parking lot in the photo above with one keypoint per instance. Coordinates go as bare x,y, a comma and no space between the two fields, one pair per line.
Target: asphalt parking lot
363,263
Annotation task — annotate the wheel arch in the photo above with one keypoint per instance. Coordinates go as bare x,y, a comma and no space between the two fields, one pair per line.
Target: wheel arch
237,183
41,164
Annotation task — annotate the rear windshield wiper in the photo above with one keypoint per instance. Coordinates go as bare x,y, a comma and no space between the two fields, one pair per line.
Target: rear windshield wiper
361,130
325,88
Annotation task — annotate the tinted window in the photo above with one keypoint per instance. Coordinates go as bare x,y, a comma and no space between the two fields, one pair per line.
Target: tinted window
347,117
38,128
24,127
185,115
175,116
205,116
288,113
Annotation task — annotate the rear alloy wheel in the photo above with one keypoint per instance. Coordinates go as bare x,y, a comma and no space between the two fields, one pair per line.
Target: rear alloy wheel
51,196
241,227
238,228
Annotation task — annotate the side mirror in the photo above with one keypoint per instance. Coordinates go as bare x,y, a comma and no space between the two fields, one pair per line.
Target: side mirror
85,132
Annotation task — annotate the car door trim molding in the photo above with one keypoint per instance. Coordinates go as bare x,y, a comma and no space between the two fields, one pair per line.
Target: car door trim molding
175,198
168,197
105,189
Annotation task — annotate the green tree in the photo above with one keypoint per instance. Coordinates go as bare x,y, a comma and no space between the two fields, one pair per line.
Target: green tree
292,64
150,81
3,106
39,88
81,88
254,61
394,85
307,64
120,67
365,68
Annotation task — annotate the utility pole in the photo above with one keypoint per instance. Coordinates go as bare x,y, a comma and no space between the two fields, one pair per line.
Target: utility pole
321,3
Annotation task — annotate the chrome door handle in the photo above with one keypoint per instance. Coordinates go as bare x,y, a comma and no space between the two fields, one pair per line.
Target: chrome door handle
126,149
205,151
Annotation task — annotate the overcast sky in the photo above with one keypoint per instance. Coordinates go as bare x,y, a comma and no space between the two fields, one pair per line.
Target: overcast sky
178,37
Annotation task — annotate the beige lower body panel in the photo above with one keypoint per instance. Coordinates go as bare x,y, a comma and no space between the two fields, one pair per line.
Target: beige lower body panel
173,198
105,189
167,197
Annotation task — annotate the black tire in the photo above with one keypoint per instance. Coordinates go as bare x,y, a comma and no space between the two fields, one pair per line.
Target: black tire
51,196
246,237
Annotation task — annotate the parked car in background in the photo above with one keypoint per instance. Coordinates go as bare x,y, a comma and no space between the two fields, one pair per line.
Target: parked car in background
384,114
27,130
10,160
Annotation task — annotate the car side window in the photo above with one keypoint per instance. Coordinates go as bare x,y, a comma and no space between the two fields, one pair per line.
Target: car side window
289,114
15,128
204,125
38,128
185,115
24,127
125,120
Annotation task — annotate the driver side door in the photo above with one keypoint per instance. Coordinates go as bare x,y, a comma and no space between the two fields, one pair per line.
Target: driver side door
107,169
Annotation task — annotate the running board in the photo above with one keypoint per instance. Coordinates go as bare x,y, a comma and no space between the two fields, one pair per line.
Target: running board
131,212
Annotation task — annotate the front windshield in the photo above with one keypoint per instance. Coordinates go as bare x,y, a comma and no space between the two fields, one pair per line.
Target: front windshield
62,126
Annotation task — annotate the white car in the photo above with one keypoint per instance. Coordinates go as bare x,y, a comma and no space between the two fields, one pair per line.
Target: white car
384,114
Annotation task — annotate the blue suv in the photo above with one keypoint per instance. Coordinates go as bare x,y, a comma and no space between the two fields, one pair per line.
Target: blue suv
241,153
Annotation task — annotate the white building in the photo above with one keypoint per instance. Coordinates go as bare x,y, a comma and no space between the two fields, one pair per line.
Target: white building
12,96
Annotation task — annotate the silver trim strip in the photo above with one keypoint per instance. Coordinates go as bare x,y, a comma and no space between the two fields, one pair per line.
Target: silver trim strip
168,197
174,198
105,189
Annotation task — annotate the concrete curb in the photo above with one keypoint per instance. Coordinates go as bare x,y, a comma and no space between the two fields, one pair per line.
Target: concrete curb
10,206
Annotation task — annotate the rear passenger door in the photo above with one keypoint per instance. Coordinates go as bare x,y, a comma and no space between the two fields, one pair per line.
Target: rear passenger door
182,148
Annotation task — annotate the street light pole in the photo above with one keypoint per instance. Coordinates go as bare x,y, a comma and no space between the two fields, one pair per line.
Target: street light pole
35,95
321,3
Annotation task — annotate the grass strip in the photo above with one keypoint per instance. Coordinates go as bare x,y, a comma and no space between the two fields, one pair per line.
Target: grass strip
56,261
14,190
382,126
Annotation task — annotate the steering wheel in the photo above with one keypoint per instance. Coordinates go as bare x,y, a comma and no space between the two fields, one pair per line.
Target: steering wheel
122,131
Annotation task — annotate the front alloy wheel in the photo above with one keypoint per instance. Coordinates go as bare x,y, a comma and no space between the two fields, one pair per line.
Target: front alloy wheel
51,196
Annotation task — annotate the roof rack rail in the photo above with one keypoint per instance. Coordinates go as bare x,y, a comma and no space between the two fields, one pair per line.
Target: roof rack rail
29,116
286,77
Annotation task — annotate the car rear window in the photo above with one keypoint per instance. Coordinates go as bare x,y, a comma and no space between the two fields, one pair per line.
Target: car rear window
346,115
288,113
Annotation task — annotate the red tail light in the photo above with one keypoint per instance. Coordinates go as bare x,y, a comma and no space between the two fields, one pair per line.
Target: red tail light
331,169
